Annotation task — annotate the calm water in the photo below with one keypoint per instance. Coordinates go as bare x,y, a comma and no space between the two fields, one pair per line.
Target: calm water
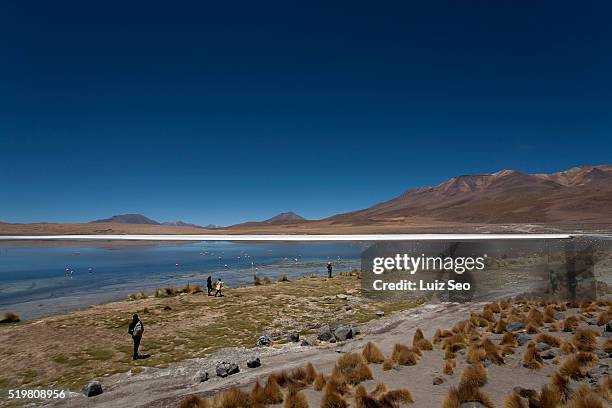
37,281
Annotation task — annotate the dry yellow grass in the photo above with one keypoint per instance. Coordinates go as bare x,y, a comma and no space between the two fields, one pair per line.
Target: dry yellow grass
333,400
585,340
295,399
193,401
531,358
232,398
548,339
449,367
458,395
474,375
515,401
354,368
372,354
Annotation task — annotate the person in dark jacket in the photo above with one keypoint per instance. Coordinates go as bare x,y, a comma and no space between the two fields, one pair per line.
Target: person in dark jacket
329,269
209,285
136,329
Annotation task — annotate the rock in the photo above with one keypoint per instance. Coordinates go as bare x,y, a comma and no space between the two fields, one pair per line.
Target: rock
602,354
92,389
253,362
201,376
333,340
356,330
608,327
167,307
294,337
305,343
597,372
348,308
515,326
591,322
542,346
380,313
525,392
558,316
438,380
522,338
325,334
341,296
264,341
343,333
224,369
549,354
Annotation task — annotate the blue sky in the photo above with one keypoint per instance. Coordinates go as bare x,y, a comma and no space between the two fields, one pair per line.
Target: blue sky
220,115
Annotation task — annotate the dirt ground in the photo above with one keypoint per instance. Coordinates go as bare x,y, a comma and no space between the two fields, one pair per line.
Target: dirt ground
67,351
166,387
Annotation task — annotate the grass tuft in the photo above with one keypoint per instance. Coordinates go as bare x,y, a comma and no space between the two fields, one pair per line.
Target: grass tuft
10,317
372,354
354,368
193,401
474,375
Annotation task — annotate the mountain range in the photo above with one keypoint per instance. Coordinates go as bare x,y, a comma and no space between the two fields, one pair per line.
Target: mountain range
580,194
579,198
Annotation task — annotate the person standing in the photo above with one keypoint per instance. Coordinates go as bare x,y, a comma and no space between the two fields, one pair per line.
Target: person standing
136,329
209,285
329,269
219,288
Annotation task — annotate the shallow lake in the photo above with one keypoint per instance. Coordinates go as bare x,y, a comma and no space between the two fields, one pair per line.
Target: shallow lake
42,280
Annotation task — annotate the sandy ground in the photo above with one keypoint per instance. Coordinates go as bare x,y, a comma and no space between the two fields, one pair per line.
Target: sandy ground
391,226
166,387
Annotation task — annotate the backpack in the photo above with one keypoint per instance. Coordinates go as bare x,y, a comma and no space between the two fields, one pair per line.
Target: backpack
138,329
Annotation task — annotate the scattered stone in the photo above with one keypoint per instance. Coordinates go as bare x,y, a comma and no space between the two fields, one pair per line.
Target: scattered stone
343,333
515,326
348,308
542,346
438,380
558,316
325,334
591,322
597,372
549,354
224,369
264,341
253,362
380,313
201,376
305,343
92,389
523,338
294,337
341,296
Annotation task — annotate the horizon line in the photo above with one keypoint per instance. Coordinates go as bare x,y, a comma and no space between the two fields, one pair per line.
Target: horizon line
286,237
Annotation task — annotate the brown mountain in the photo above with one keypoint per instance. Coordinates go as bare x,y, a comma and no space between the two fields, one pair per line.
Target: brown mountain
127,219
580,194
280,219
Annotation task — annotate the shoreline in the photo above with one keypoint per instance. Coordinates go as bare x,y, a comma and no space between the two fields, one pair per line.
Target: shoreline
177,328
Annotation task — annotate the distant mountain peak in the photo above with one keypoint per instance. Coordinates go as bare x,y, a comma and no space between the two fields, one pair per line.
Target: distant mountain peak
285,217
128,219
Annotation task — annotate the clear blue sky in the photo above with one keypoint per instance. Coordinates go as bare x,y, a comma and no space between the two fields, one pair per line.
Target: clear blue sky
211,114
